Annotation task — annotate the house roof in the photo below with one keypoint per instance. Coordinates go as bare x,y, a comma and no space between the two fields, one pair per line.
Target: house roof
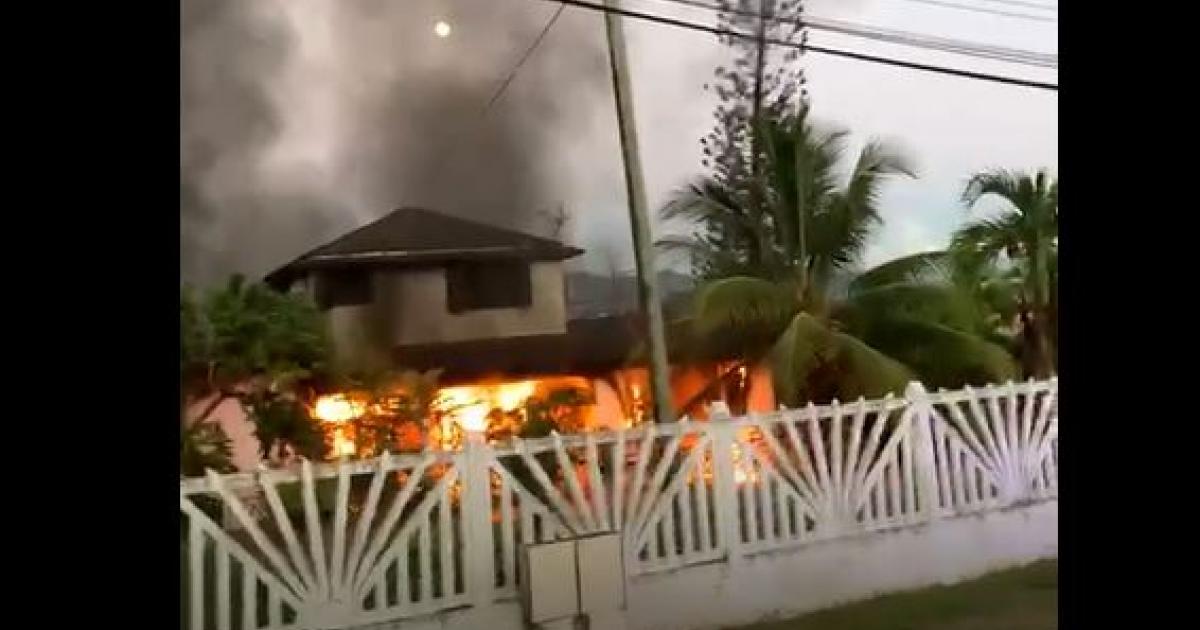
418,236
591,346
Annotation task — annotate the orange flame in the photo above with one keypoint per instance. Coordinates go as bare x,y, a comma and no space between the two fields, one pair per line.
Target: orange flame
744,471
469,405
459,409
337,408
343,445
743,468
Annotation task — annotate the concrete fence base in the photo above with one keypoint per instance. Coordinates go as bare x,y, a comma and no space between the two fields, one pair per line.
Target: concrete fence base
787,583
822,575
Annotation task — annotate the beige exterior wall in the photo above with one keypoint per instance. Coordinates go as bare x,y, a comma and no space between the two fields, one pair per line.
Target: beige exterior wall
410,308
359,335
420,316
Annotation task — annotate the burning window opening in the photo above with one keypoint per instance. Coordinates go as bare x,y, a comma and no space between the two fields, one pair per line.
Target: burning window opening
504,409
359,424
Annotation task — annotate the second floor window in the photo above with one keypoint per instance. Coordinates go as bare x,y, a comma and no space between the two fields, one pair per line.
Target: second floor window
343,288
493,284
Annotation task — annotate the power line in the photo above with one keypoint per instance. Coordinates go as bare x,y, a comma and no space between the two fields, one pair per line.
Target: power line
969,74
444,156
650,17
968,7
961,47
525,57
971,49
1031,5
849,28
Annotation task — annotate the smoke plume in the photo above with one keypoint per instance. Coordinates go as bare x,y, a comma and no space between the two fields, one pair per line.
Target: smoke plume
303,119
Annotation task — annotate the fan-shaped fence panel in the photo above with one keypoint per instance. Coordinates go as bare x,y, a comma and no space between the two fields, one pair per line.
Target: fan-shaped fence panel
995,446
323,546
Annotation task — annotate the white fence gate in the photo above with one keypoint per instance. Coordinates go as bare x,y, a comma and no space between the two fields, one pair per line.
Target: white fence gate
397,537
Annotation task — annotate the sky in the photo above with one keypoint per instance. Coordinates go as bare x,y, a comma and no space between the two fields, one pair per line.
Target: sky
950,126
366,110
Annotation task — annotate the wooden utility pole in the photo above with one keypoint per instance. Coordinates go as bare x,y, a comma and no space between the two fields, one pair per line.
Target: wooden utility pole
635,188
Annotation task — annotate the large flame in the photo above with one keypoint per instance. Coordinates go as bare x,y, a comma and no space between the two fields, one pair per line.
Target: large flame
337,408
469,405
492,407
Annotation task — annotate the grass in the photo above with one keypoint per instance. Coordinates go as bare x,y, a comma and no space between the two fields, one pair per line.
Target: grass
1019,599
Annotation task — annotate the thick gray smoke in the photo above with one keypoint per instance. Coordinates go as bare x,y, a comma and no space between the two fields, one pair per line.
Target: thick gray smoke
302,119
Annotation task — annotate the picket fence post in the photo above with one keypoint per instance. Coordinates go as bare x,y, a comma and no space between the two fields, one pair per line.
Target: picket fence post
476,515
920,410
724,435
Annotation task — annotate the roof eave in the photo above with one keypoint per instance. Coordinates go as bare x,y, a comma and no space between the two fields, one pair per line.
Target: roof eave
286,274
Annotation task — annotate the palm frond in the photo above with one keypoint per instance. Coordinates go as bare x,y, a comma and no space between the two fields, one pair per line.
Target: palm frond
801,160
1033,197
849,216
876,163
987,238
941,303
941,355
702,200
741,305
726,230
1001,182
911,268
799,351
868,372
812,362
693,247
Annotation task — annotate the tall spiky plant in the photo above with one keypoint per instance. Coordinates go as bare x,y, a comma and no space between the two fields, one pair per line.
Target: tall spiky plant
759,85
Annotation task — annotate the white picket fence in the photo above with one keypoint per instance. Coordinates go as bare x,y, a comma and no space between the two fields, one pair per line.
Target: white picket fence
356,543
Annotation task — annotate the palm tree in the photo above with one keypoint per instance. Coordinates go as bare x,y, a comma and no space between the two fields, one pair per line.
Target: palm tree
780,284
945,313
1026,236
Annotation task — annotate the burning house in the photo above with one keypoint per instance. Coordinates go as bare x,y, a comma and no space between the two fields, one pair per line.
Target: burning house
487,306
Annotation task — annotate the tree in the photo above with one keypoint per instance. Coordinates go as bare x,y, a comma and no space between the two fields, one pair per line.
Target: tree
1025,235
254,344
910,308
204,446
780,285
755,88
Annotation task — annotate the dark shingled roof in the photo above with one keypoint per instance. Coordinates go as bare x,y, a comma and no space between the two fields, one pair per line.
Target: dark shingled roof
591,346
416,236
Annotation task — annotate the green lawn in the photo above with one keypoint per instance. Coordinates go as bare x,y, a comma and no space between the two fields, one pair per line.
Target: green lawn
1018,599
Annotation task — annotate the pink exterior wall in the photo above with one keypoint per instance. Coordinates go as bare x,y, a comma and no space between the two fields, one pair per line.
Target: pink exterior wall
761,398
232,418
609,414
